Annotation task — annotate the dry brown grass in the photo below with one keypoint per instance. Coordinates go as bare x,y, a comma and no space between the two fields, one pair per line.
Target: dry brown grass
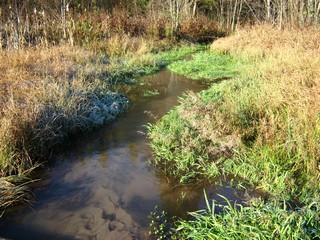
23,72
286,64
200,29
46,94
266,40
281,90
25,88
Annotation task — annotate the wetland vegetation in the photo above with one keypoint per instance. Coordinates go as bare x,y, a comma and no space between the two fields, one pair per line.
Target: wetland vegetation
258,128
257,125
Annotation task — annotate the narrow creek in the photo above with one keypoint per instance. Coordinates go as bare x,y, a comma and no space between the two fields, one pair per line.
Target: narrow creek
103,188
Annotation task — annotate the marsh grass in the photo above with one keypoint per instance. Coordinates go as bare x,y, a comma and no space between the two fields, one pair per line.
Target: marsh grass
47,96
261,126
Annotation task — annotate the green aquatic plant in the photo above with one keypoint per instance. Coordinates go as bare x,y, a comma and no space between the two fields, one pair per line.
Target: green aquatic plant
150,93
160,225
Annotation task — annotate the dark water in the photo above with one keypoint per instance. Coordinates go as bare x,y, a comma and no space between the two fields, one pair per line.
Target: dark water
103,188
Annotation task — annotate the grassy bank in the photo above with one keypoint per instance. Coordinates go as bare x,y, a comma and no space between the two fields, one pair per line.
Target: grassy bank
49,95
260,128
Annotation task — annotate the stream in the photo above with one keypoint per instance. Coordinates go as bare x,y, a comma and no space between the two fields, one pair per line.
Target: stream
103,187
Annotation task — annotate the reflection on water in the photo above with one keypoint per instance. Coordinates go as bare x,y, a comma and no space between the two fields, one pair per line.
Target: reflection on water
103,188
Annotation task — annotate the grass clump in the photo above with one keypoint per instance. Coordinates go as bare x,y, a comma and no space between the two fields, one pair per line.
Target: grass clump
259,221
186,144
260,127
14,190
171,140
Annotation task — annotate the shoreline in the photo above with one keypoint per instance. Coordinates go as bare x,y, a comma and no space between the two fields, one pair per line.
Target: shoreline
261,126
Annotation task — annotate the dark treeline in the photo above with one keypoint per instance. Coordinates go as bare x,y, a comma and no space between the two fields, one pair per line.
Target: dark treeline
35,22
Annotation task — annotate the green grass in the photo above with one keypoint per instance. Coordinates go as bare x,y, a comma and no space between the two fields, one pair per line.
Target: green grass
181,151
259,221
167,57
205,65
171,140
127,69
184,144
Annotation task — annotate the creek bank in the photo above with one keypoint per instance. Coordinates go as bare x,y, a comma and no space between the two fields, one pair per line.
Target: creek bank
254,127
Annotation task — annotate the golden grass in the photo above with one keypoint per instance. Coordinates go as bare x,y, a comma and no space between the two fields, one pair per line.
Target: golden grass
23,72
25,88
283,88
286,63
43,89
265,40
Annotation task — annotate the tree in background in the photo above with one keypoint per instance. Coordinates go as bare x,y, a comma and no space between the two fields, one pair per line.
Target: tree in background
44,22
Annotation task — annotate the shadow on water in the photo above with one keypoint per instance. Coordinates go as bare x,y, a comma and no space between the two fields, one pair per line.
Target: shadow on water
103,188
30,233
